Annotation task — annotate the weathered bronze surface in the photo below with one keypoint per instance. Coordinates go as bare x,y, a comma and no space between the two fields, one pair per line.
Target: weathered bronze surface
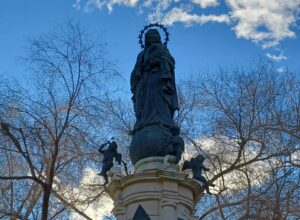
155,101
108,158
196,164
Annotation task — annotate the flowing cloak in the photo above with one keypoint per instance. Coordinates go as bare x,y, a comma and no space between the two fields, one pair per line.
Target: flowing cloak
153,87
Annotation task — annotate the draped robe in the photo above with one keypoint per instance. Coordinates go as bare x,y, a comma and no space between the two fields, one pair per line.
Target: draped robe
153,87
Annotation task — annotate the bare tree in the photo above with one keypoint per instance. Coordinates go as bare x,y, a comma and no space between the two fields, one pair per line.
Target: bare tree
49,131
246,122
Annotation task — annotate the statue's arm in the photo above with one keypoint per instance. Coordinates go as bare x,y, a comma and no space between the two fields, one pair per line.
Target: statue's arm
205,168
101,151
136,72
202,167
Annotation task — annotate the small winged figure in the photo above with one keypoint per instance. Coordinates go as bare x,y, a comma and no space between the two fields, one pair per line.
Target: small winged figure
196,164
108,157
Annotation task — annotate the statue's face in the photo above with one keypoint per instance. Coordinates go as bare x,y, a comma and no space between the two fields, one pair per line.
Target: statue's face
152,36
200,158
113,147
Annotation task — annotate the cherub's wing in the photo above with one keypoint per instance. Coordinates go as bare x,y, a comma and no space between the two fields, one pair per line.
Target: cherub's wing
119,158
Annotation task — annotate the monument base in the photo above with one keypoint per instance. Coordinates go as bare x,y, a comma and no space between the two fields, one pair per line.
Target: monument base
157,190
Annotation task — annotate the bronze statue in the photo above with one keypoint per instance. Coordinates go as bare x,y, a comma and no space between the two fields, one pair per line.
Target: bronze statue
108,157
153,84
176,144
196,164
154,97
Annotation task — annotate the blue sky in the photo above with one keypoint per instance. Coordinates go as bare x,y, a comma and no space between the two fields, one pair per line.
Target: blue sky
205,34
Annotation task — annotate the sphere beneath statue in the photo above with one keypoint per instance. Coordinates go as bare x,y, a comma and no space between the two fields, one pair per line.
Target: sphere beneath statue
156,141
153,140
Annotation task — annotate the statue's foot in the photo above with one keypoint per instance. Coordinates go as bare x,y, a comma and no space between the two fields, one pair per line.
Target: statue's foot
104,184
211,184
208,192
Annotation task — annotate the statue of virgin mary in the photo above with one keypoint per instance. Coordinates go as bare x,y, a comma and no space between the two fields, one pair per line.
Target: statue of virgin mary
155,100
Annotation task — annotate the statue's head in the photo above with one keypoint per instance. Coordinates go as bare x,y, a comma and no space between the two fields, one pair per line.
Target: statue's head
200,158
113,145
152,36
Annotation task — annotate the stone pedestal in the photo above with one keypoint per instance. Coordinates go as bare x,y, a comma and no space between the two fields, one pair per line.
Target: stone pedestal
162,191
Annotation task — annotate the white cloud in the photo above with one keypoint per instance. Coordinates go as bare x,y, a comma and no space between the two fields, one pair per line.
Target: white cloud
227,151
278,57
88,189
295,157
281,70
90,4
129,3
180,15
77,5
206,3
159,8
147,3
264,22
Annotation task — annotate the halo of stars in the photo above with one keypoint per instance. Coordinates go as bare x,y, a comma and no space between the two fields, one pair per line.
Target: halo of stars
152,25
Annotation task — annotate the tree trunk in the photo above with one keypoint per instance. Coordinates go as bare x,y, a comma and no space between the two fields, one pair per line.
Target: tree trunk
46,199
